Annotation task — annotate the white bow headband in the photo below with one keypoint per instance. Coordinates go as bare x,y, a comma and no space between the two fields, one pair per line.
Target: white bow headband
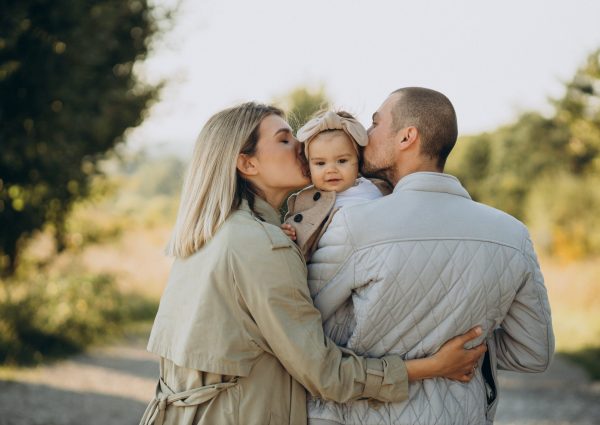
332,121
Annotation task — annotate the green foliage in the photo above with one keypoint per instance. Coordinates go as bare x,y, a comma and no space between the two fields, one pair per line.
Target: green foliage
544,170
67,95
562,210
148,190
579,110
156,177
301,103
137,193
499,167
44,318
55,305
85,226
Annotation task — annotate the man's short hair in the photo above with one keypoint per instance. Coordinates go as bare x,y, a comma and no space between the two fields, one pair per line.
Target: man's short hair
434,117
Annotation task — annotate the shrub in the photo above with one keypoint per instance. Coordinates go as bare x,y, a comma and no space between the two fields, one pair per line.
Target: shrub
562,210
43,318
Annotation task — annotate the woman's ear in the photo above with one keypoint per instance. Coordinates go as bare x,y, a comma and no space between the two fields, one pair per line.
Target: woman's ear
246,165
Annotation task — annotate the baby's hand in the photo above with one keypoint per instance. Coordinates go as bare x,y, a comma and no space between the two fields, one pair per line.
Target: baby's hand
289,230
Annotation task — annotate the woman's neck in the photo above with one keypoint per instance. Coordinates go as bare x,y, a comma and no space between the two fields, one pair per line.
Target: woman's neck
273,196
274,199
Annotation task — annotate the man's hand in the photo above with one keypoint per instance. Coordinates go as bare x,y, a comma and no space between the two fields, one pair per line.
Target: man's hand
457,362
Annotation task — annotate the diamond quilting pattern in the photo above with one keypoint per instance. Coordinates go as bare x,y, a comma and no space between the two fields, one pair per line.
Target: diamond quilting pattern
415,295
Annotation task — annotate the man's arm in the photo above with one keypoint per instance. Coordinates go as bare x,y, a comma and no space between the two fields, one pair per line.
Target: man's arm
525,340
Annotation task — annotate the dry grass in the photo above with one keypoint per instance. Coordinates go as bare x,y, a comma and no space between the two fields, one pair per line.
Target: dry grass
574,292
137,261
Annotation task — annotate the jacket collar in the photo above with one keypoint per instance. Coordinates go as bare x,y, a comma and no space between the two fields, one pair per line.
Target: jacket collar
432,182
267,212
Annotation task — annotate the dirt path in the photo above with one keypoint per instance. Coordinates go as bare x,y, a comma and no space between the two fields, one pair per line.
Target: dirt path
107,386
111,386
562,395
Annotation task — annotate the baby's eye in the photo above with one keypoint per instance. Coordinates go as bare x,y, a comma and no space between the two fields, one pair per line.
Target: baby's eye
343,161
285,141
320,163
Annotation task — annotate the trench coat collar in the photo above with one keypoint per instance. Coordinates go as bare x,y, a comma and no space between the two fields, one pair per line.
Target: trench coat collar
265,211
426,181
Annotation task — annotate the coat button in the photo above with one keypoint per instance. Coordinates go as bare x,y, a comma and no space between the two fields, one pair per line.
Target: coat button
298,218
317,196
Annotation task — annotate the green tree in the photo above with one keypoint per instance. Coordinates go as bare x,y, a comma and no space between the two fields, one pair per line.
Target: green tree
67,95
301,103
470,161
544,170
579,110
499,167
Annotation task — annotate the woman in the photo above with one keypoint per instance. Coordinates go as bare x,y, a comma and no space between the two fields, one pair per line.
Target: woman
237,333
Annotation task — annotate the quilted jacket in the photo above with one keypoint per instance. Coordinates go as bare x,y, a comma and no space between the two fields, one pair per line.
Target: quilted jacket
406,272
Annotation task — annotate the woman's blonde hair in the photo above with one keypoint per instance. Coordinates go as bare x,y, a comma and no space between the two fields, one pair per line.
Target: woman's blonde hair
212,187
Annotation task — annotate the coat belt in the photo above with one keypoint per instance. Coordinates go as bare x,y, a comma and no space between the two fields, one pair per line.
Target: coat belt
155,412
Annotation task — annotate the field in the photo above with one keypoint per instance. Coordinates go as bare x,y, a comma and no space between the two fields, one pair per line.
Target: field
574,291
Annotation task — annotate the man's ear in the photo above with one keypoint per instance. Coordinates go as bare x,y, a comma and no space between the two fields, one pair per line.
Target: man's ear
246,166
408,137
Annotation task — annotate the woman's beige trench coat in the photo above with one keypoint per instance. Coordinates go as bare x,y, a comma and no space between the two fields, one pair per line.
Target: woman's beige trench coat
240,340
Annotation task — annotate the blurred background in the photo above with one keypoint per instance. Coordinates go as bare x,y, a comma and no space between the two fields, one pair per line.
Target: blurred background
100,104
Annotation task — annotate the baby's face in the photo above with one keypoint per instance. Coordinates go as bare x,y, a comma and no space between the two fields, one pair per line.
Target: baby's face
333,161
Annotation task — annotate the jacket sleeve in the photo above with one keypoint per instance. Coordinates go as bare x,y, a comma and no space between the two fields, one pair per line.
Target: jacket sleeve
525,340
271,280
332,268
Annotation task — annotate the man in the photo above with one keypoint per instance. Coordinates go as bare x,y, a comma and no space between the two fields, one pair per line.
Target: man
424,264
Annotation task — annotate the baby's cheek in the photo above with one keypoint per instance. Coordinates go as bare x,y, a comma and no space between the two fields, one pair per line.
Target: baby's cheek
314,172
